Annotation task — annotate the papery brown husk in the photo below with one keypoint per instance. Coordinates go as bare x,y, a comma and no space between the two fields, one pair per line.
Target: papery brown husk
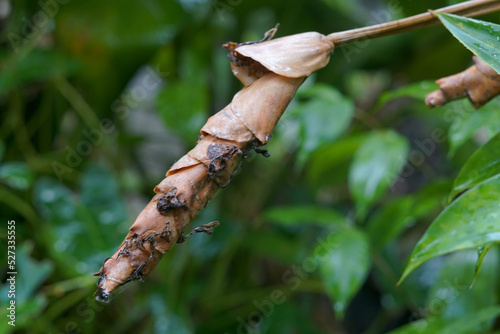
226,138
480,83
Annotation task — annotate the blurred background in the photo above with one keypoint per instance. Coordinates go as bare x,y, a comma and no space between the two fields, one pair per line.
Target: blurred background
99,98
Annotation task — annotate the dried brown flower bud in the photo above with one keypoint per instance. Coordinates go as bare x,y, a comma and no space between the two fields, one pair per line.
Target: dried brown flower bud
480,83
291,56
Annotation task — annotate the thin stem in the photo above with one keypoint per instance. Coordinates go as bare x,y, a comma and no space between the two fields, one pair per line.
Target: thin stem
468,8
77,102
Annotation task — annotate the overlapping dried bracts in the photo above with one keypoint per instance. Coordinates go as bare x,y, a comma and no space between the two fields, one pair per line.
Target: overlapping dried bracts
227,138
480,83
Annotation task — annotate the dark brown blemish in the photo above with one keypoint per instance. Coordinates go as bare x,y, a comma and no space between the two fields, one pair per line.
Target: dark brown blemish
220,155
168,202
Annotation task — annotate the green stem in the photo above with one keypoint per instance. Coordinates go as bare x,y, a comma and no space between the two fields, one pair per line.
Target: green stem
20,205
77,102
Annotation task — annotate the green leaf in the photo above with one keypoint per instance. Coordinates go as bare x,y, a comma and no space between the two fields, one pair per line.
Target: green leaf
82,232
301,215
344,261
154,23
417,91
182,105
290,318
395,216
482,165
16,174
376,166
469,121
101,195
37,65
324,117
53,201
467,324
481,252
321,162
469,222
451,296
391,220
482,38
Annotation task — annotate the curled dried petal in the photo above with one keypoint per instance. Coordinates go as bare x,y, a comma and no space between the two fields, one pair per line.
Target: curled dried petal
291,56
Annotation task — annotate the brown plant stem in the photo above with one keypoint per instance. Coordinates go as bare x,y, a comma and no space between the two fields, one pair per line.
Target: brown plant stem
468,8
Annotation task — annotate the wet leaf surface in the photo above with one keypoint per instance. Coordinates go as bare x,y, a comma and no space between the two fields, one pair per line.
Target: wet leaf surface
471,221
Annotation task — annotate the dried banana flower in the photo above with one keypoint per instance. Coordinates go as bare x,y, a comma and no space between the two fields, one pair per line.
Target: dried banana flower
190,183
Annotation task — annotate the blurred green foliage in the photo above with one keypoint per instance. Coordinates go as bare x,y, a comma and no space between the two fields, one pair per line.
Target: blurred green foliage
98,99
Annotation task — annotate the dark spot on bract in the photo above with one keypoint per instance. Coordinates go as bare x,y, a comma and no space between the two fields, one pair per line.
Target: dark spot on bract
168,202
220,156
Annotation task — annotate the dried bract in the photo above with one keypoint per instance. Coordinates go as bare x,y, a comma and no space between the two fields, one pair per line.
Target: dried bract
480,83
292,56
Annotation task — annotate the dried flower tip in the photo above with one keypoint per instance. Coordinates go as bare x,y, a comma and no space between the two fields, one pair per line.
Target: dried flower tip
291,56
480,83
246,69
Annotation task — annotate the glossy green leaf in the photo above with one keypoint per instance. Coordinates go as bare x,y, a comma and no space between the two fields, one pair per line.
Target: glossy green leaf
16,174
304,215
468,324
481,253
451,296
376,166
469,121
482,165
344,262
469,222
324,117
482,38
